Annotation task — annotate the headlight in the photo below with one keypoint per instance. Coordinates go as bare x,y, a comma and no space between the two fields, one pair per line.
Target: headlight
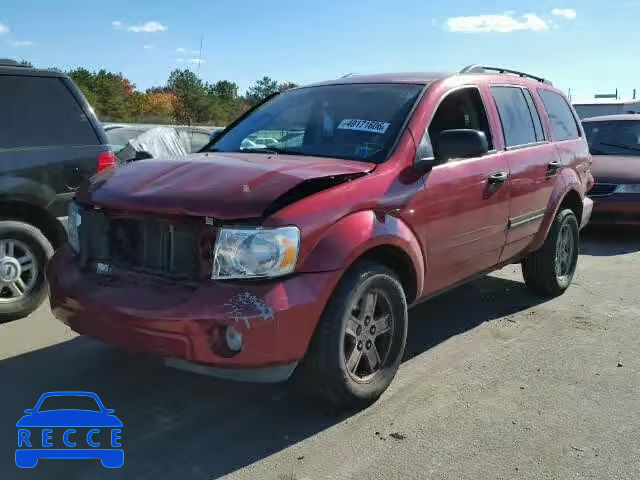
74,221
628,188
255,252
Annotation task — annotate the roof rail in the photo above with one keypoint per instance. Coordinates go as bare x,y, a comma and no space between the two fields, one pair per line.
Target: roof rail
486,69
7,62
350,75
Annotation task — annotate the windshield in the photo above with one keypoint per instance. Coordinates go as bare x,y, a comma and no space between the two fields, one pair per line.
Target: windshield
616,137
354,122
69,402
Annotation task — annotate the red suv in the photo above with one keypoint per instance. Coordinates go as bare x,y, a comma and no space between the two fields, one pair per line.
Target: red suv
250,260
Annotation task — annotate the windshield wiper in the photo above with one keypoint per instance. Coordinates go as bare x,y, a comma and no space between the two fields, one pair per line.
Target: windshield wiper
621,145
258,150
276,150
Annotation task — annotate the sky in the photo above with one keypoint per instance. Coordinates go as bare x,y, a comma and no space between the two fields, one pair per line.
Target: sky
588,46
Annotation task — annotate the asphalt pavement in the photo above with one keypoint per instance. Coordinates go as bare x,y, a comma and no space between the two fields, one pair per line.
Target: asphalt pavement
496,384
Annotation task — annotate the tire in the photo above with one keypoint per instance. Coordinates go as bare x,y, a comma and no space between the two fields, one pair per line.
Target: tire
31,250
337,339
539,268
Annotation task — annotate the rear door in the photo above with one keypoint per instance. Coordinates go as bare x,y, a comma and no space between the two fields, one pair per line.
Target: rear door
48,144
572,147
532,161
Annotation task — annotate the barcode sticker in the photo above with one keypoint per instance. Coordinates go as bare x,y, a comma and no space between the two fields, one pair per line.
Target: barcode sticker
372,126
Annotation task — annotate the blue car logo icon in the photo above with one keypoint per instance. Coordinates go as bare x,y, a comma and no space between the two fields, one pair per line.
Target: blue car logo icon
52,430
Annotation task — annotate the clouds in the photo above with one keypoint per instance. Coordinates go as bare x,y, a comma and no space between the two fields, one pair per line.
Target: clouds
4,30
20,43
184,50
147,27
149,47
568,13
193,61
496,23
507,22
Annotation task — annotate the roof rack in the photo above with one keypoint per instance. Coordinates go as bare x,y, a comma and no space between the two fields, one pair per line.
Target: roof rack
349,75
486,69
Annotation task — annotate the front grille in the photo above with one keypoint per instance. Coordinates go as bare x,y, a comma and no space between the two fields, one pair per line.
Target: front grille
602,189
156,246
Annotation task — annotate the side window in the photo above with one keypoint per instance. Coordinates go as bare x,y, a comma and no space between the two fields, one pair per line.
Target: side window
517,122
40,112
535,116
461,109
563,123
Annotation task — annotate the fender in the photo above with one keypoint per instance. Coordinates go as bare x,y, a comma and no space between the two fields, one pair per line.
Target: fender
20,189
568,182
355,234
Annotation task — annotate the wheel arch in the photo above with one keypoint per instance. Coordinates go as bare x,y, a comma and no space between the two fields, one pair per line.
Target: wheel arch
569,198
373,236
39,217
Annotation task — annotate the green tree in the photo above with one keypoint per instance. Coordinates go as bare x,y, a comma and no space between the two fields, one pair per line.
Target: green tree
287,86
111,94
262,89
192,104
224,90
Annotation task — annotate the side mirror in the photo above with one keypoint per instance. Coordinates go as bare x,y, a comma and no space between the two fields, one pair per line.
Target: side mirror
29,411
109,411
424,159
460,143
215,136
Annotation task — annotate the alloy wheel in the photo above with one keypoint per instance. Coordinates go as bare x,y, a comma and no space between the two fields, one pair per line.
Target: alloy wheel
368,335
18,270
564,252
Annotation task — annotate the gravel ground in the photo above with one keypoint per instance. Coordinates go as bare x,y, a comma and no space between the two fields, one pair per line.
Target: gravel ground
497,384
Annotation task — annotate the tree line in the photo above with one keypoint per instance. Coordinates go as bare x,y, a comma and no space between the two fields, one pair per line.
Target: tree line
186,99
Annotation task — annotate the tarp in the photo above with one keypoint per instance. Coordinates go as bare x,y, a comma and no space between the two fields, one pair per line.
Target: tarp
159,142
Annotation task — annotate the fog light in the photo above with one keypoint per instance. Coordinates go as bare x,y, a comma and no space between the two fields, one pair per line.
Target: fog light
234,339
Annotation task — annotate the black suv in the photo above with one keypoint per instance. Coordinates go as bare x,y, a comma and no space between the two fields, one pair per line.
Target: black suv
50,141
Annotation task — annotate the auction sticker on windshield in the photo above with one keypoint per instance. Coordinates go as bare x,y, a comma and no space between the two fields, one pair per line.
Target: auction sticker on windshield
363,125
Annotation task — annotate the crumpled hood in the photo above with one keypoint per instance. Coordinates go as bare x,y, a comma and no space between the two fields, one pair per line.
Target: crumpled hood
616,169
224,186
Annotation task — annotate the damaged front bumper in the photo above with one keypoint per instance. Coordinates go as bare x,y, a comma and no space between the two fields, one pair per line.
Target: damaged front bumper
186,321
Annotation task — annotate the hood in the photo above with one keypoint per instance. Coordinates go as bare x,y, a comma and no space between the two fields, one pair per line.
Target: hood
223,186
616,169
69,418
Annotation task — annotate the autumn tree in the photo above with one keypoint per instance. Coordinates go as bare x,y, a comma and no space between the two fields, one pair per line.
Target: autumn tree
191,104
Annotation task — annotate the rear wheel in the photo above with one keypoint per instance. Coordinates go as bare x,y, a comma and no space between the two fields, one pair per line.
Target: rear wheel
549,271
24,252
360,339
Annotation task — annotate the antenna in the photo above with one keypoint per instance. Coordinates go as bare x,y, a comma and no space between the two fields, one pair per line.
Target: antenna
200,56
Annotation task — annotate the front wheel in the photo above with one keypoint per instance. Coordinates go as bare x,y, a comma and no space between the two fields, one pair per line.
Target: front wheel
360,338
549,271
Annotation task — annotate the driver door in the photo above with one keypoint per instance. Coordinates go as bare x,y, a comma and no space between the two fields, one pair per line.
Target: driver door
465,203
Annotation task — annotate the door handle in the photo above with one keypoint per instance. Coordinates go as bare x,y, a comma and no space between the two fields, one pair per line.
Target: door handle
553,166
498,178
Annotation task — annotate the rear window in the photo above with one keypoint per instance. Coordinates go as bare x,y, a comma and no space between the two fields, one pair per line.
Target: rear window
352,121
40,112
563,123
